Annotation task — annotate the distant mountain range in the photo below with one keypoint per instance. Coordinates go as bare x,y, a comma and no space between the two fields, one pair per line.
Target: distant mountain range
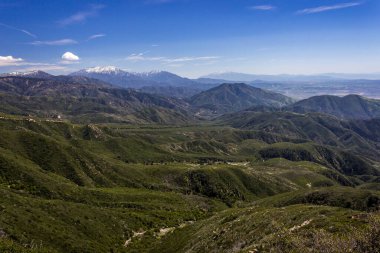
159,97
33,74
235,76
168,84
126,79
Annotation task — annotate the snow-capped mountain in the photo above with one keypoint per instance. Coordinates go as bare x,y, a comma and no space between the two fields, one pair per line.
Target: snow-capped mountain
32,74
113,75
110,70
123,78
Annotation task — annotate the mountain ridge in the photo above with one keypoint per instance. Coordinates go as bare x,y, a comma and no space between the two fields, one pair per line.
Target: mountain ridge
347,107
229,97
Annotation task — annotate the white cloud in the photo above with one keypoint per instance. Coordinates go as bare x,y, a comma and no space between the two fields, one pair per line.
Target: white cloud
328,8
70,57
263,7
19,64
95,36
10,61
82,16
61,42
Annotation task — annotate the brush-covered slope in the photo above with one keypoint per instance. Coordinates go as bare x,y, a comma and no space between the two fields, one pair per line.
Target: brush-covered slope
359,136
348,107
234,97
171,91
295,228
83,99
115,188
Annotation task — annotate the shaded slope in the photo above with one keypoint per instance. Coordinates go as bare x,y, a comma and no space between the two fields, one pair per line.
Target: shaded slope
348,107
358,136
84,100
234,97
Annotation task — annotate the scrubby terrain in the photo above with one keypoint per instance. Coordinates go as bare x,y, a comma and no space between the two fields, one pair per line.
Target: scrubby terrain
120,188
88,167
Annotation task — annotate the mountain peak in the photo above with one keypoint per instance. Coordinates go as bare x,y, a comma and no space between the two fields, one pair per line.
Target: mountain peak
232,97
103,70
33,74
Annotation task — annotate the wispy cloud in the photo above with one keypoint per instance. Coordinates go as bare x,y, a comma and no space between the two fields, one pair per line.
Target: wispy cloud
328,8
10,61
191,59
263,7
18,29
61,42
96,36
42,67
142,57
82,16
168,60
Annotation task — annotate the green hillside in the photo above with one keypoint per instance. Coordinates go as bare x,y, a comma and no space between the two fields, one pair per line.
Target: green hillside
235,97
124,188
84,100
348,107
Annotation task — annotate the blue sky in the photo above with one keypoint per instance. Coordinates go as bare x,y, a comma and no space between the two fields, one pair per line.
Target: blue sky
192,37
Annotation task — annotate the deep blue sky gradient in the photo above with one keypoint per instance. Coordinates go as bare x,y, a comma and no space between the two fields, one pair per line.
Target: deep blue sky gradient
194,37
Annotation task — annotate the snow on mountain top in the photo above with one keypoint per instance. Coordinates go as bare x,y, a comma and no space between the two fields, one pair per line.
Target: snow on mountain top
16,73
149,73
104,70
34,73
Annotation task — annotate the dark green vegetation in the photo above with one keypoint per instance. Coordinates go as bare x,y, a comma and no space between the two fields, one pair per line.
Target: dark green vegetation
171,91
92,188
125,171
80,99
235,97
348,107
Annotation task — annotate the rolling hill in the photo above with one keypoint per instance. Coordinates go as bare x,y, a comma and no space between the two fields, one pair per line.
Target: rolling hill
111,187
83,99
347,107
90,167
235,97
358,136
171,91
